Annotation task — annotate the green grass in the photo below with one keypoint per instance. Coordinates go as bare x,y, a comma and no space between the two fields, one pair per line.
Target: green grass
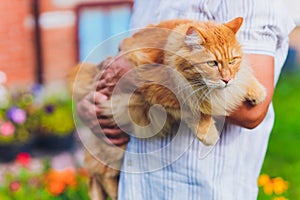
283,155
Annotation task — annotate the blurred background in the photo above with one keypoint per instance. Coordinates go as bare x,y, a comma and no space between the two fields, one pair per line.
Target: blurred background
40,42
66,31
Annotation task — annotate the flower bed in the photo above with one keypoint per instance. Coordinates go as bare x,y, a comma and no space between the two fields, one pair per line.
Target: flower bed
273,188
56,125
34,116
16,125
47,183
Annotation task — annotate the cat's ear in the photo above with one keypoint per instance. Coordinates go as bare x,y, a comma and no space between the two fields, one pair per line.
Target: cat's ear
235,24
193,39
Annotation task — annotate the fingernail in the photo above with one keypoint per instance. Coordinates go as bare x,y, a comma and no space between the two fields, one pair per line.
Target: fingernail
99,97
102,98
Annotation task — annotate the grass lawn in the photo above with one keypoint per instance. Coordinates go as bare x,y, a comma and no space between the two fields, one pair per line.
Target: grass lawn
283,155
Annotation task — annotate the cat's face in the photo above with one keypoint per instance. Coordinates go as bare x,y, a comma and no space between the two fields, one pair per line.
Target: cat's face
214,53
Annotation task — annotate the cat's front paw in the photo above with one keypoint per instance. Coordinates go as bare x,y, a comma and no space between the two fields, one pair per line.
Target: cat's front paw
211,137
256,95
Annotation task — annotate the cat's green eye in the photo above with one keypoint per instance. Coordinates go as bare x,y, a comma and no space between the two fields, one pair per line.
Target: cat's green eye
212,63
231,61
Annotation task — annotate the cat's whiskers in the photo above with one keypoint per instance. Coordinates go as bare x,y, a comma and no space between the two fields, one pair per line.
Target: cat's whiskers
239,80
209,91
213,85
198,89
197,92
191,85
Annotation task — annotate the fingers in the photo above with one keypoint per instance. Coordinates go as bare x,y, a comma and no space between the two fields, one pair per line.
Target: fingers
108,78
114,136
101,84
107,91
107,128
114,69
104,88
106,122
118,141
87,110
96,97
113,132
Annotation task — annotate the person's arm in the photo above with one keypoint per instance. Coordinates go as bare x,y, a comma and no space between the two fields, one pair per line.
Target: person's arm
246,116
249,116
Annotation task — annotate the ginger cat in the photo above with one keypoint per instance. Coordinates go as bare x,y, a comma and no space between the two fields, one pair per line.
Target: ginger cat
208,57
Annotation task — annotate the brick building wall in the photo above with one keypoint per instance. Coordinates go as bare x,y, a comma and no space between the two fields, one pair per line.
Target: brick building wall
17,39
17,42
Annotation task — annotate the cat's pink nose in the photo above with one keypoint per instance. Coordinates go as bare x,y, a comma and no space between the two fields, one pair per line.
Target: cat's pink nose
226,80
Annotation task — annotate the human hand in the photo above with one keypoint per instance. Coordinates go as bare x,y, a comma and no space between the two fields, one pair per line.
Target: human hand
89,108
115,68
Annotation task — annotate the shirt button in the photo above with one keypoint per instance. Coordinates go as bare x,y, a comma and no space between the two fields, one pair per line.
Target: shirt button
129,163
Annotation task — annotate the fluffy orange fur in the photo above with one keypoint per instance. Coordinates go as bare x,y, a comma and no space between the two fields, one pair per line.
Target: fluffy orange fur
208,56
216,80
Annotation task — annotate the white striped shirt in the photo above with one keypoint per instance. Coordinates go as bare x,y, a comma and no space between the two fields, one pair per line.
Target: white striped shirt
174,168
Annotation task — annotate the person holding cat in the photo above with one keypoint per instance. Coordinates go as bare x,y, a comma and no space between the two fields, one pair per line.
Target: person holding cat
231,169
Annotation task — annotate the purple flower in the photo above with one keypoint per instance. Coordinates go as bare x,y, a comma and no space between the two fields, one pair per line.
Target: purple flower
49,108
17,115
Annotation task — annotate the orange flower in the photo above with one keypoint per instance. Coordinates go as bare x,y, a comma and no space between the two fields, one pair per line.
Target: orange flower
270,185
268,188
57,181
52,175
69,177
279,185
56,187
263,180
280,198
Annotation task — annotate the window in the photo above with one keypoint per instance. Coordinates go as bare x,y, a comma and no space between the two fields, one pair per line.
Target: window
98,22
